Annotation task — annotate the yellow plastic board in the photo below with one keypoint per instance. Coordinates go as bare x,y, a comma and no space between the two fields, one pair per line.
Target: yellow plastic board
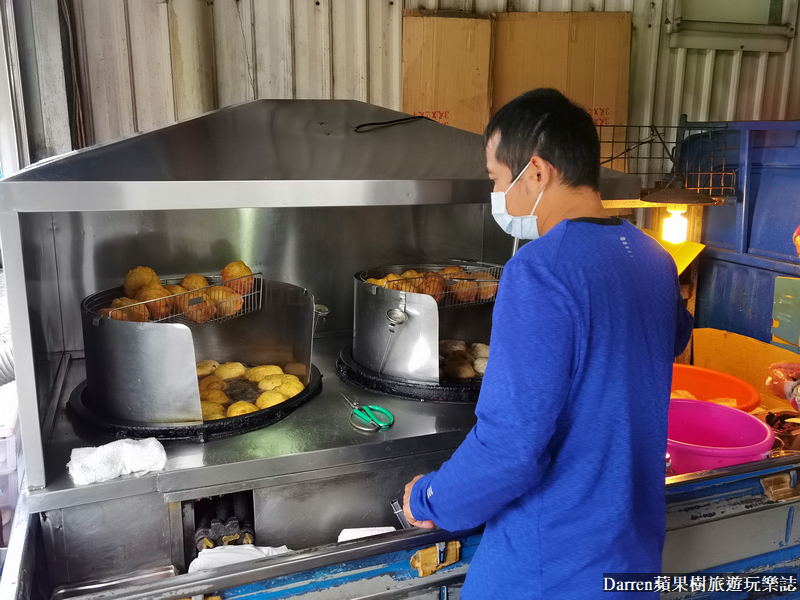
683,253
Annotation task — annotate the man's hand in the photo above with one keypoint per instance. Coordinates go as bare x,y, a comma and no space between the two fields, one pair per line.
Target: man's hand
407,507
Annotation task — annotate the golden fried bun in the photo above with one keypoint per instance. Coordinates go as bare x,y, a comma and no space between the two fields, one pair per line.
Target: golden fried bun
235,270
200,312
391,277
193,281
295,368
206,367
155,300
290,388
459,369
230,370
209,408
464,289
258,373
215,396
227,301
268,399
270,382
136,312
212,382
402,285
241,408
137,278
433,285
378,282
452,269
487,285
411,274
174,290
116,314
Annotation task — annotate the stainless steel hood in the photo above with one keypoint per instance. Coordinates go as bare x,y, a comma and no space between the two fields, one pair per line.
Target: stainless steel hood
291,140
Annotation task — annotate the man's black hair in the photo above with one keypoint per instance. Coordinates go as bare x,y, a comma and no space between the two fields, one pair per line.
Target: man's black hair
547,123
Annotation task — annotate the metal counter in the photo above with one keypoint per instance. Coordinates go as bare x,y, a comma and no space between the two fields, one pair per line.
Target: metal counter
316,436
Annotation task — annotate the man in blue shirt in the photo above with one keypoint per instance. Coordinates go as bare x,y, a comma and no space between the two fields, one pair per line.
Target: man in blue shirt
565,465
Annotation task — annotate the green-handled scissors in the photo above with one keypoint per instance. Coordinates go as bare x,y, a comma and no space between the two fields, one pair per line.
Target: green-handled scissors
368,418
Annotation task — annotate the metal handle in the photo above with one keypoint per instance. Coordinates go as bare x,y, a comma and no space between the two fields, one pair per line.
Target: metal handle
320,312
396,318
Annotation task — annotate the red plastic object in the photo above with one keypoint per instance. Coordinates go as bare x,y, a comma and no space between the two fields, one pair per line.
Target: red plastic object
706,384
703,436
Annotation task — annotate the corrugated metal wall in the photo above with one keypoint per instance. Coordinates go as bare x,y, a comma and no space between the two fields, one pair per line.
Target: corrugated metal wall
146,63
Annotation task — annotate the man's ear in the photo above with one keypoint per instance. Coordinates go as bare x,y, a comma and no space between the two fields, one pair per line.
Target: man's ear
541,172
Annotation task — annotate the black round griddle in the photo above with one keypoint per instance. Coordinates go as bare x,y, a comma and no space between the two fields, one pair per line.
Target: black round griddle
447,390
208,430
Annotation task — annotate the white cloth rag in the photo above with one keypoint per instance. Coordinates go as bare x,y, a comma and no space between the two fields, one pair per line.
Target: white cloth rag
123,457
362,532
211,558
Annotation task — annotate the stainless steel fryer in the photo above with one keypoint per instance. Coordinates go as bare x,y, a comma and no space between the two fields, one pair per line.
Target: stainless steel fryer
396,333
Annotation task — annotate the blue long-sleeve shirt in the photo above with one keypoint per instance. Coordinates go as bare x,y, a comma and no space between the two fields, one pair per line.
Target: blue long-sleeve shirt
565,465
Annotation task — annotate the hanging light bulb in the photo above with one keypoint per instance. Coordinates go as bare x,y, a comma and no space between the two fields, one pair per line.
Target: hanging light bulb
675,227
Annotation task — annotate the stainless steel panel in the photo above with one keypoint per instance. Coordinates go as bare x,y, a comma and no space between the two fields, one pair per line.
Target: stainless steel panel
22,344
146,371
113,538
41,275
279,140
313,513
700,547
141,371
409,350
317,249
314,437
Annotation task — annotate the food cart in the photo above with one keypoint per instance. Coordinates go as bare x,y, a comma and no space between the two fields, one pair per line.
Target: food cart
309,193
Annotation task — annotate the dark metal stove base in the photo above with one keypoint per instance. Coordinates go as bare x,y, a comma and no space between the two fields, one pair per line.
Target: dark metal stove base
208,430
451,391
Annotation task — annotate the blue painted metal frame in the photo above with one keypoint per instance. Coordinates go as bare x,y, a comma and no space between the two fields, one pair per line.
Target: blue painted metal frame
746,248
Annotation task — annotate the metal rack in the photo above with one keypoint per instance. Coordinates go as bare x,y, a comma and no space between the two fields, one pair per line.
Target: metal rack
475,283
696,157
190,308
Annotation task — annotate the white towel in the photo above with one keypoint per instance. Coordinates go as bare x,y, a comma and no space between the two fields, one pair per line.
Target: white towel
362,532
123,457
211,558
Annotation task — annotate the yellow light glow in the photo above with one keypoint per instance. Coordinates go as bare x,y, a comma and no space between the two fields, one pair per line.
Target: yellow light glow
675,227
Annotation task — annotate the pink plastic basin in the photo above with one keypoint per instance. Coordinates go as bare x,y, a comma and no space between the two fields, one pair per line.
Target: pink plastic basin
703,435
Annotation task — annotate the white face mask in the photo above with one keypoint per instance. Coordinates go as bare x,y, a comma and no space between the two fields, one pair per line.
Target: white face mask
524,228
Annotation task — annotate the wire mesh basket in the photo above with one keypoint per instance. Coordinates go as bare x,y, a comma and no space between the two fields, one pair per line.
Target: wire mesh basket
700,157
460,283
216,303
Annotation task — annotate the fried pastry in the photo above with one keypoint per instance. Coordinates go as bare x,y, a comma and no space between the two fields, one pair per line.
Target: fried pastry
137,278
209,408
451,269
480,365
268,399
235,271
433,285
206,367
214,396
193,281
401,285
230,370
155,299
271,382
200,312
487,285
227,301
479,350
459,369
258,373
212,382
241,408
463,288
174,290
117,315
134,311
290,388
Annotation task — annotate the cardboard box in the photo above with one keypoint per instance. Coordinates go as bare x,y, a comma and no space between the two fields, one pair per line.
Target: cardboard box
446,68
585,55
